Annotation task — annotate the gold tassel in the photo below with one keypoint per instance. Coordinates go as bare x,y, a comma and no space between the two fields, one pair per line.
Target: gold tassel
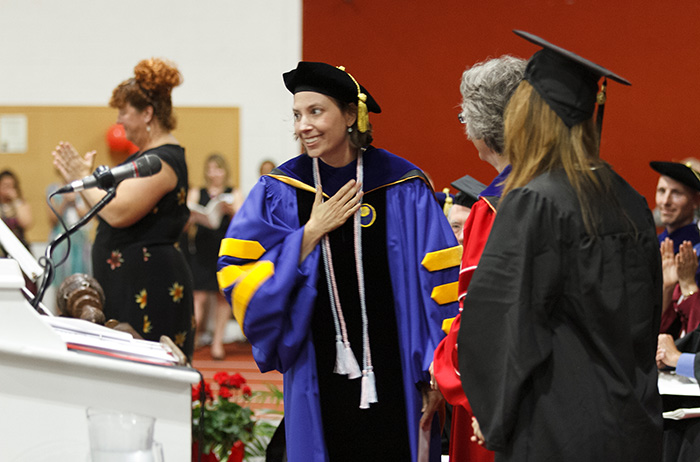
448,201
362,112
362,116
601,96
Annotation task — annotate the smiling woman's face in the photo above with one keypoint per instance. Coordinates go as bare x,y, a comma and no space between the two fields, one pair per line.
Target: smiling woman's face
322,127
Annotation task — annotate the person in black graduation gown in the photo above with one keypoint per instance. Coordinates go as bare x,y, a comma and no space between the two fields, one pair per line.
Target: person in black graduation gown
558,335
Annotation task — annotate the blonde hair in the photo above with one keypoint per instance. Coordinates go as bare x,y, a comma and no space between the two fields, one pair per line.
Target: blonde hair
220,162
538,141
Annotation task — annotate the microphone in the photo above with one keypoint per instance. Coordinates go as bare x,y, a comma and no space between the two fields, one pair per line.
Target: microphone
104,178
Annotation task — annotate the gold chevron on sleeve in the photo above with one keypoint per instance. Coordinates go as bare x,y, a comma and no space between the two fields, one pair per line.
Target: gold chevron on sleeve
230,274
443,259
239,248
247,285
447,325
445,293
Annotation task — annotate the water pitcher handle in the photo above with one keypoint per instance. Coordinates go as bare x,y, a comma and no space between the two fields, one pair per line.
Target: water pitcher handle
158,452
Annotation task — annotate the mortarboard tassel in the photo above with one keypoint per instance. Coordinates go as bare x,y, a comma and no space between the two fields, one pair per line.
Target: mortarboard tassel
362,112
448,201
600,99
362,115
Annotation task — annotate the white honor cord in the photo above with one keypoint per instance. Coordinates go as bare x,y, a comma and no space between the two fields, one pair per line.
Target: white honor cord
346,364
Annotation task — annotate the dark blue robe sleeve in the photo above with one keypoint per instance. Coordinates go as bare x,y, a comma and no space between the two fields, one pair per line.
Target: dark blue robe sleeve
424,258
271,293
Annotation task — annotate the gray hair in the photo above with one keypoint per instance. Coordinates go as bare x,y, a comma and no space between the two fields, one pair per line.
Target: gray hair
486,88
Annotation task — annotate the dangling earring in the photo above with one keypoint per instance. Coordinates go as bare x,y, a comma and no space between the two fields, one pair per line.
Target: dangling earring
349,129
148,128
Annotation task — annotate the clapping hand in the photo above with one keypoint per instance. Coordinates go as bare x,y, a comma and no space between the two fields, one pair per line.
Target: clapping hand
668,263
686,263
70,164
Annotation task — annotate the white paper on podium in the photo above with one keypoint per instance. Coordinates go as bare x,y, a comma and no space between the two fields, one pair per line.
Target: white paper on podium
83,326
672,384
682,413
84,335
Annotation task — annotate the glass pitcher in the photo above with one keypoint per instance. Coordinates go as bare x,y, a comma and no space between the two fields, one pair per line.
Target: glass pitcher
122,437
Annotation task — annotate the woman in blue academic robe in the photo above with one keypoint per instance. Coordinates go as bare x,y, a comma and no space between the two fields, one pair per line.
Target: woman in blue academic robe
341,267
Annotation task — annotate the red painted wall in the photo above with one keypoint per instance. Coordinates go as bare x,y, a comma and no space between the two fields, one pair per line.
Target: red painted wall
410,55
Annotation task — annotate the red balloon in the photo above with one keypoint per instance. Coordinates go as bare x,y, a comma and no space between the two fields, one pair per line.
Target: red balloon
117,142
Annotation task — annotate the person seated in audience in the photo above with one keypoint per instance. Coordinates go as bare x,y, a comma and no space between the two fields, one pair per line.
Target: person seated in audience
677,198
681,441
681,302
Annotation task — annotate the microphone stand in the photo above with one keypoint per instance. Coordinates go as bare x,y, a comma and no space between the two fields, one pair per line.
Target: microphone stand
48,260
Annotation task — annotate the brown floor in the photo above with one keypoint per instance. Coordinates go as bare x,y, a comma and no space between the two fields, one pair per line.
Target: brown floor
239,358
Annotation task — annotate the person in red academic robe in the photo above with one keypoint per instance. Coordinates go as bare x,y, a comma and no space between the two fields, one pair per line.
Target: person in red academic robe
486,88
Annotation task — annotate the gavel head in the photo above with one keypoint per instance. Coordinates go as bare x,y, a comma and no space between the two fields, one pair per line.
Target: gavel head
81,296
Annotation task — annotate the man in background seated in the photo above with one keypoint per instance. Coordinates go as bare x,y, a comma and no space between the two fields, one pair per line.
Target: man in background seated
677,198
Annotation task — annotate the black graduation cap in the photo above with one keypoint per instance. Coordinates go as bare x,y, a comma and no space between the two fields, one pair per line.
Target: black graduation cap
682,173
566,81
334,82
469,190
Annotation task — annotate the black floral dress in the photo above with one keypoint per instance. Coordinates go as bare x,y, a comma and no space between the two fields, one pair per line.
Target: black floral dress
145,277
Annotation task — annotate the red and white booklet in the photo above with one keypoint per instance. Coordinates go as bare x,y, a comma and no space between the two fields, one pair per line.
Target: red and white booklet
83,335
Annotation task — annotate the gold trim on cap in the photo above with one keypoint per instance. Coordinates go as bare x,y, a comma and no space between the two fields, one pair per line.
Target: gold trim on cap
690,166
362,113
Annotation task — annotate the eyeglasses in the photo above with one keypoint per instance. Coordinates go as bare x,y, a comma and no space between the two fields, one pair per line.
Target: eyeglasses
461,118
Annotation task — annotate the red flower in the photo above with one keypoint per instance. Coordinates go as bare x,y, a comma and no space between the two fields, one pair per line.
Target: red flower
247,391
235,381
207,392
225,393
115,260
221,378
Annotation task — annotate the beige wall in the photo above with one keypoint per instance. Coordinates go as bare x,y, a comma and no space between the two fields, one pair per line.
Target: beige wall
200,130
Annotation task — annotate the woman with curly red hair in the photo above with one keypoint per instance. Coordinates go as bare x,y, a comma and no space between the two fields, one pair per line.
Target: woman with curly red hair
135,256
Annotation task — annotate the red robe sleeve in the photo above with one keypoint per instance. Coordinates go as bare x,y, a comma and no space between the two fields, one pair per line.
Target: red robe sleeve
445,361
681,318
476,233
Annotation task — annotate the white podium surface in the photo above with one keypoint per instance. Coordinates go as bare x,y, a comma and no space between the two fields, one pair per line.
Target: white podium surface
45,389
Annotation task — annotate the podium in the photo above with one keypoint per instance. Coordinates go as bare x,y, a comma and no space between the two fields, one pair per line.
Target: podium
45,388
